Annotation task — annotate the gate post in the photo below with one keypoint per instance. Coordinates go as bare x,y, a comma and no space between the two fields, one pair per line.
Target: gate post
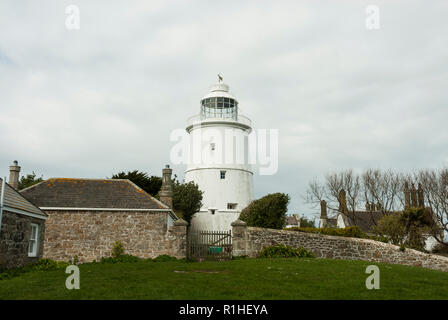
239,238
179,230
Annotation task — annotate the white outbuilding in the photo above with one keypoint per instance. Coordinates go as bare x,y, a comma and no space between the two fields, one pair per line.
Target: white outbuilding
219,159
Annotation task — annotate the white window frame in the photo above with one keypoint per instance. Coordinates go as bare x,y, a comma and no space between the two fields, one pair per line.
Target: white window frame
33,244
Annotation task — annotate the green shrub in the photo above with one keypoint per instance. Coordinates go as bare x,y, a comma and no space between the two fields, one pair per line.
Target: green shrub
47,265
164,258
440,249
267,212
117,250
352,232
282,251
239,257
379,238
122,258
40,265
304,222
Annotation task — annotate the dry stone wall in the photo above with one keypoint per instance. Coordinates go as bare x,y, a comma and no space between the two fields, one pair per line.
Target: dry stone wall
90,235
249,241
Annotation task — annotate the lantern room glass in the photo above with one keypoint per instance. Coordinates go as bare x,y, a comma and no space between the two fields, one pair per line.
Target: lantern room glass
219,107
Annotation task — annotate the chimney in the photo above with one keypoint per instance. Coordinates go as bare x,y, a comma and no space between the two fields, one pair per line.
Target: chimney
420,195
14,171
342,202
407,196
166,192
323,214
414,200
296,215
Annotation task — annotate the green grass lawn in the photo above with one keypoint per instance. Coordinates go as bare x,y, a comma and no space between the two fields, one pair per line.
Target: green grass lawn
237,279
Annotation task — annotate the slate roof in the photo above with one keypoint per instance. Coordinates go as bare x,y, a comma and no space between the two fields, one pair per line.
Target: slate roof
332,222
90,193
14,201
365,220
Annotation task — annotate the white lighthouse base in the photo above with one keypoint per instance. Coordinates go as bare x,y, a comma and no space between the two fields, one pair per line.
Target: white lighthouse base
219,221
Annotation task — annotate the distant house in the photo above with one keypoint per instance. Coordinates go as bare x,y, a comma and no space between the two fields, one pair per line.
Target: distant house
22,227
292,221
86,217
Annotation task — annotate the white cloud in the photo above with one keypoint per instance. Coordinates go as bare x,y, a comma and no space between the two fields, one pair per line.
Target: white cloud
105,98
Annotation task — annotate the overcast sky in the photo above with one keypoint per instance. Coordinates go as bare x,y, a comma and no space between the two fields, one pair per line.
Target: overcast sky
104,98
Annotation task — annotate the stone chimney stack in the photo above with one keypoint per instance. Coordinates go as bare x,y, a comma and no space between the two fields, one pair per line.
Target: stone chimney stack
323,214
414,200
342,202
166,192
367,206
420,196
14,171
407,196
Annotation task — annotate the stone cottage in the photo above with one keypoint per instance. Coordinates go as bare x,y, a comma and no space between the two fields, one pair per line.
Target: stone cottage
86,217
292,221
22,225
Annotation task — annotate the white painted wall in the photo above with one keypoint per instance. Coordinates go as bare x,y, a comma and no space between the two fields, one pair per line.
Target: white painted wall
340,221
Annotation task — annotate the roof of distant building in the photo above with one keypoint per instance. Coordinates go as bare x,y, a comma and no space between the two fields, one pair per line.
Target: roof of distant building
332,222
365,220
292,220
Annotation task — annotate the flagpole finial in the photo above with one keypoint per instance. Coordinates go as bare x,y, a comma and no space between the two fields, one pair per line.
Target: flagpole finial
219,78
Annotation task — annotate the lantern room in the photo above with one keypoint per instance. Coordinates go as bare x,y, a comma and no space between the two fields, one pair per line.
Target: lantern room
219,103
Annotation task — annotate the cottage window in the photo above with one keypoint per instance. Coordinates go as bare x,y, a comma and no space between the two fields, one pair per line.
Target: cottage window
34,240
223,174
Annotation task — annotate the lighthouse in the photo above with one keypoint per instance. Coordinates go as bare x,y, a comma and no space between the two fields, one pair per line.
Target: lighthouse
219,159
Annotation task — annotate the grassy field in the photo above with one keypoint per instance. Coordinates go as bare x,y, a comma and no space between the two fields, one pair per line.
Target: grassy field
236,279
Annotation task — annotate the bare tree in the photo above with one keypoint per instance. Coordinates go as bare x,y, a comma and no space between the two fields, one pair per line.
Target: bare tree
384,191
329,190
383,188
435,188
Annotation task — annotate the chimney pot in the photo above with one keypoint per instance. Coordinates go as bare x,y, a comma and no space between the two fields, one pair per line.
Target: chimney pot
14,172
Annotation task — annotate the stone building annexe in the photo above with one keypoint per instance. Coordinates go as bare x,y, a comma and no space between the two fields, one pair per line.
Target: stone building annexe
87,216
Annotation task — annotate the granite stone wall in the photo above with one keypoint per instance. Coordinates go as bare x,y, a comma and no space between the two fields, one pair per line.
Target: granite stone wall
15,234
90,235
249,241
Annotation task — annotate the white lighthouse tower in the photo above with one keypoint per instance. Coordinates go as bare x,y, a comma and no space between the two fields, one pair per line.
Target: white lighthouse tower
218,160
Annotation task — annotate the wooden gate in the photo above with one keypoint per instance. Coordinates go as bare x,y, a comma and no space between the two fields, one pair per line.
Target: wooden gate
209,245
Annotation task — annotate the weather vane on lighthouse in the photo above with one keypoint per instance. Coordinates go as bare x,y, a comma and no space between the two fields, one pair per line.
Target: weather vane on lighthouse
219,78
